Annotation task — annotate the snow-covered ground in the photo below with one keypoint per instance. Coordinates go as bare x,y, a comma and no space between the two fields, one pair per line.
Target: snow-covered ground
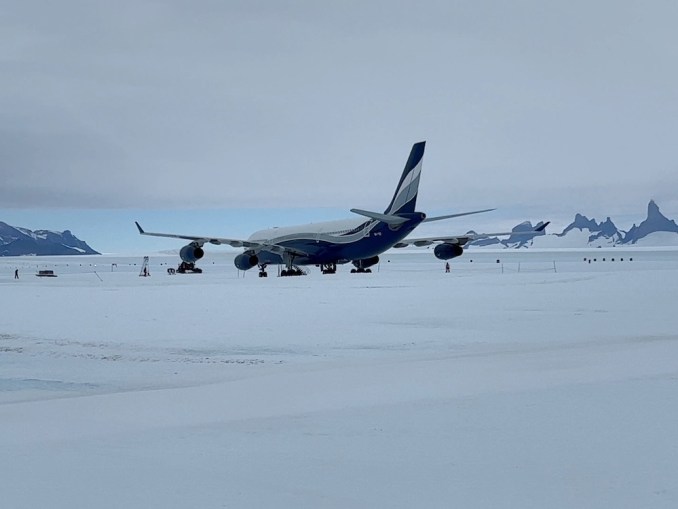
541,380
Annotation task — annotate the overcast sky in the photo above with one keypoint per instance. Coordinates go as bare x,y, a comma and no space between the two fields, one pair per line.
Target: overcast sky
538,108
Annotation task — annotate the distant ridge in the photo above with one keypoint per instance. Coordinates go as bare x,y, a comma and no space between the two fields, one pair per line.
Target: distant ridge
16,241
513,241
655,230
602,230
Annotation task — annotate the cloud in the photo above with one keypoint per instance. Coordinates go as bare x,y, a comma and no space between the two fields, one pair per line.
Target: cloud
269,104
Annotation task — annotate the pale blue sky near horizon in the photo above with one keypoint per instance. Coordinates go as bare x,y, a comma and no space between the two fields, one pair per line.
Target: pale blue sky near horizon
223,118
114,232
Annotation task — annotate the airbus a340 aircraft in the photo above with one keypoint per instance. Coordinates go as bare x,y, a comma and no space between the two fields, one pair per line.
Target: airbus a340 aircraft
326,244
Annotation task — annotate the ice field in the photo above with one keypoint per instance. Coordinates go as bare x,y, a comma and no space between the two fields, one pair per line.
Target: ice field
544,380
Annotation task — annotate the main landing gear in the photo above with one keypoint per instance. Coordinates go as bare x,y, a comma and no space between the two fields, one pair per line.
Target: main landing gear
362,266
328,268
294,271
360,270
290,269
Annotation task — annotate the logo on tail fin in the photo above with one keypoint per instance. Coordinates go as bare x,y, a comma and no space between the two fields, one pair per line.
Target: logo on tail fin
405,197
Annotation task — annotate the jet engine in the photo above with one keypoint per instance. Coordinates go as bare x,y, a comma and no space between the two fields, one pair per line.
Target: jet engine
191,253
367,262
246,261
448,251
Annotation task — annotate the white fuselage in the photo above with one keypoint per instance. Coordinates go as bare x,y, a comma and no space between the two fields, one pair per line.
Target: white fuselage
311,230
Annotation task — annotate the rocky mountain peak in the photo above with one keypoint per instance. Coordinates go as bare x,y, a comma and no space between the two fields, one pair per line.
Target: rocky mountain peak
21,242
653,211
591,232
655,222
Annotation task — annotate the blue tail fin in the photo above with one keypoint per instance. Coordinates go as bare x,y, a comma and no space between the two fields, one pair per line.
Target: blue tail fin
405,197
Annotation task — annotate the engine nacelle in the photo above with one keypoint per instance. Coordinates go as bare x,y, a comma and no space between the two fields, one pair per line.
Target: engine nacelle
191,253
448,251
246,261
367,262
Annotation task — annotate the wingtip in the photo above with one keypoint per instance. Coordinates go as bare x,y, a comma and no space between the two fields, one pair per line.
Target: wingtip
542,227
141,230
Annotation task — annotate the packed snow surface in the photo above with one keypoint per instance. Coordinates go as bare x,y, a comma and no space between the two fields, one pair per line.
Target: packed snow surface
524,379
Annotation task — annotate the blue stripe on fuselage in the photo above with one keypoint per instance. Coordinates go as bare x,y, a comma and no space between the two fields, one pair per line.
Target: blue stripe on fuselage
381,237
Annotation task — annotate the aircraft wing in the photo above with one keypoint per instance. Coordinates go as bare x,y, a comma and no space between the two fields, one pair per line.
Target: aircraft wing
276,248
461,240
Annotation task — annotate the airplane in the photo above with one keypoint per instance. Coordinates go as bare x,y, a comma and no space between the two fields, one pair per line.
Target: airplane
331,243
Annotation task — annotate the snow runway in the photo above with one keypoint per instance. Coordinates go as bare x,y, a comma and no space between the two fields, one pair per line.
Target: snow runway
404,388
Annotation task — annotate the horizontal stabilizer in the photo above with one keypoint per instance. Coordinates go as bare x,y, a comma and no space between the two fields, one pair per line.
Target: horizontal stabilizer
450,216
384,218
